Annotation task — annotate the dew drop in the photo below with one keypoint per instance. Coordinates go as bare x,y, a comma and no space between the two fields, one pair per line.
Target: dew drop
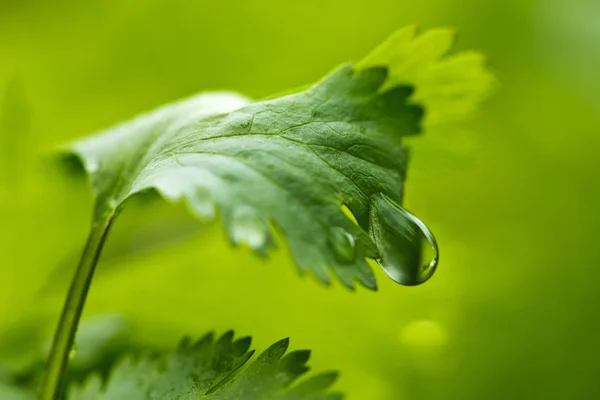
248,227
73,352
92,166
202,203
408,249
343,245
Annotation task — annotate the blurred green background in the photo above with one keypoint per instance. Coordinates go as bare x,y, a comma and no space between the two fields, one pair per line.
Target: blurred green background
512,194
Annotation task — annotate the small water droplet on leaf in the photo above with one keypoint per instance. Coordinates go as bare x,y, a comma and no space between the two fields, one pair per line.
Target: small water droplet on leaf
408,249
250,228
343,245
92,166
202,203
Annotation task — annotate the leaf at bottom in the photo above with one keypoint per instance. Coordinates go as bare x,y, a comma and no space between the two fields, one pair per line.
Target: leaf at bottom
208,369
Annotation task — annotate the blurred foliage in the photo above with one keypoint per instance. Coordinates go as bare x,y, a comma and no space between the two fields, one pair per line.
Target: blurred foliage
216,368
102,340
512,196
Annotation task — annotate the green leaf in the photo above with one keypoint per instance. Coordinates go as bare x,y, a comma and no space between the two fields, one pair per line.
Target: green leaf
210,369
291,163
449,87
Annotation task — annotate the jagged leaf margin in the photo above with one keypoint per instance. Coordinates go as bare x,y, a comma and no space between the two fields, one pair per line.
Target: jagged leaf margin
293,162
449,86
213,370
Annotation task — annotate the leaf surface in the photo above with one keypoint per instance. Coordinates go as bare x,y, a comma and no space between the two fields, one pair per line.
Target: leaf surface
213,370
449,86
291,163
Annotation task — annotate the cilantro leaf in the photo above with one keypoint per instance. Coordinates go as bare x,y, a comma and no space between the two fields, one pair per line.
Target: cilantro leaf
292,162
212,369
450,87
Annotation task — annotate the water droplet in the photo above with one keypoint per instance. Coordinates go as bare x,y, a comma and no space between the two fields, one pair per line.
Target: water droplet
403,241
202,203
343,245
250,228
73,352
91,166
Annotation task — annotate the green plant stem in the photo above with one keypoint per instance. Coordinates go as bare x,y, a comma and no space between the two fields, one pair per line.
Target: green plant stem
71,313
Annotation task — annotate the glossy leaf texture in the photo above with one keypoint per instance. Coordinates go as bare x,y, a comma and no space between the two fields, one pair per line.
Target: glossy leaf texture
212,369
288,163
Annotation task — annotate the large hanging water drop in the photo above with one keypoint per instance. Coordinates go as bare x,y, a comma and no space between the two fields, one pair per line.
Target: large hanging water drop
343,245
408,250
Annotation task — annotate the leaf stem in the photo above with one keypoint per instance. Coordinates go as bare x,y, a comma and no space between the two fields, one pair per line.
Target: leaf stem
64,336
